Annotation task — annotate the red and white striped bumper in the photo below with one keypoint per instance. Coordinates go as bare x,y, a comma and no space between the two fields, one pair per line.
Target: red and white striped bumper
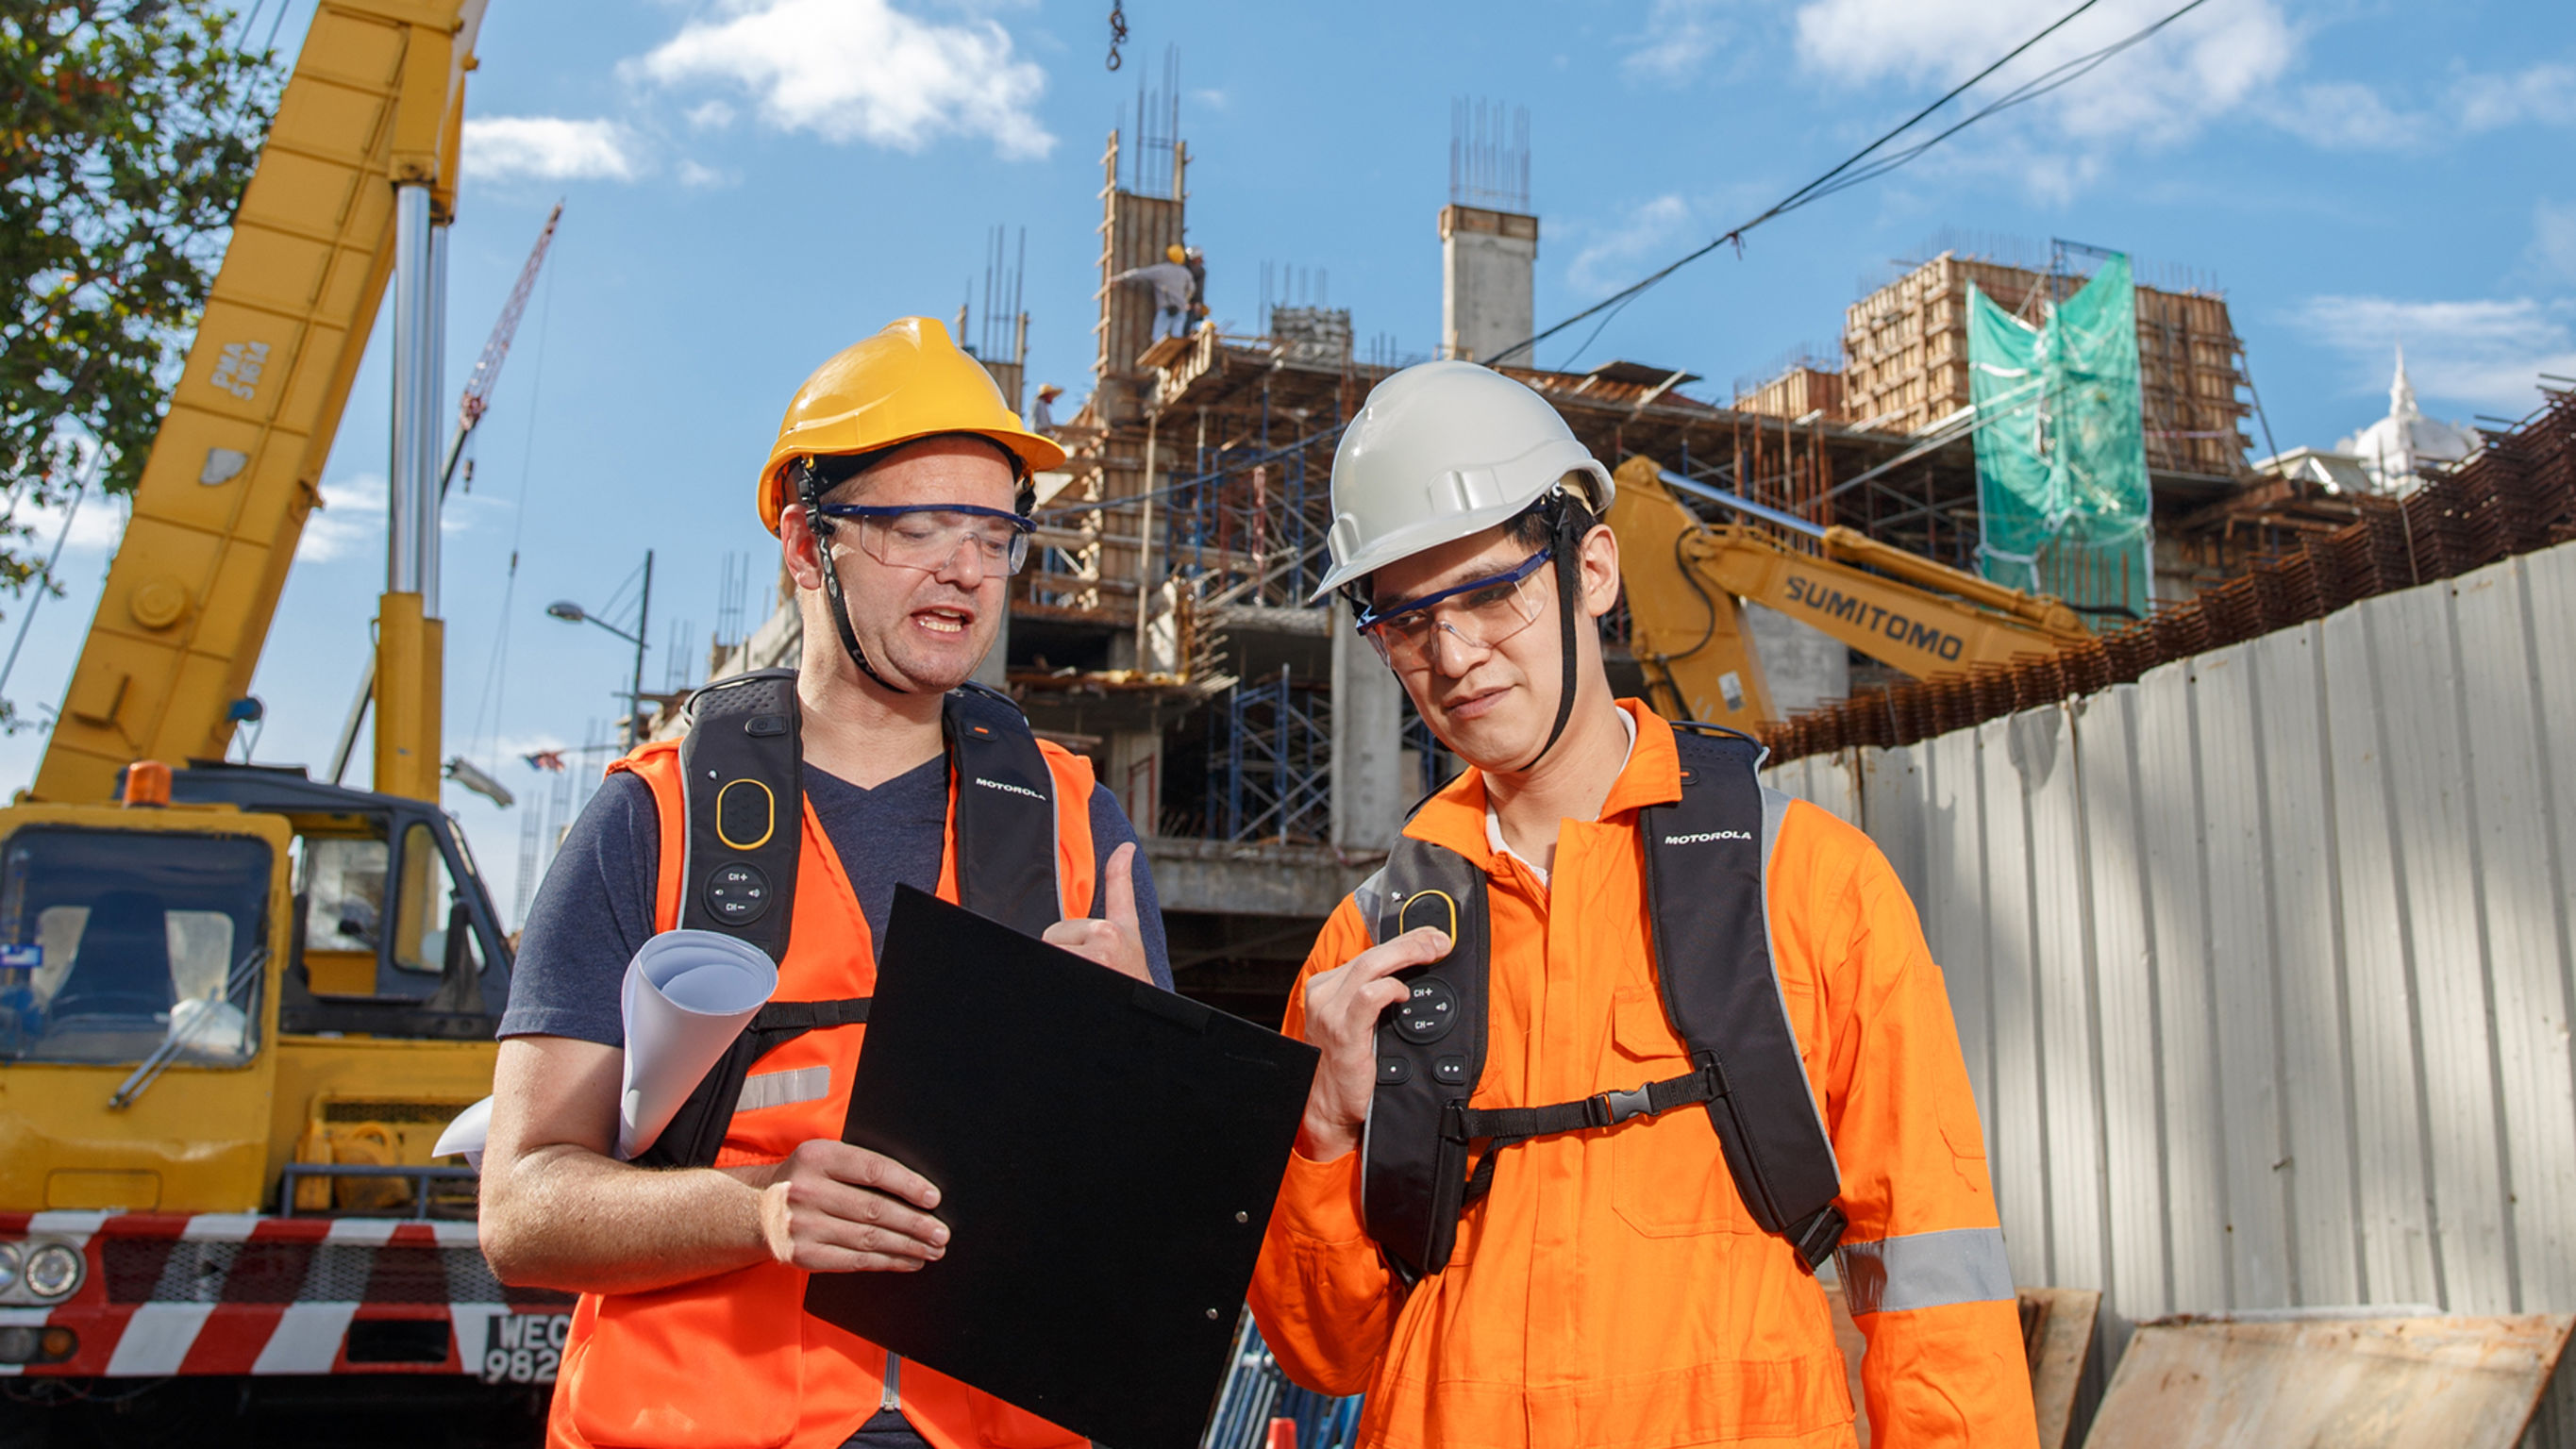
230,1294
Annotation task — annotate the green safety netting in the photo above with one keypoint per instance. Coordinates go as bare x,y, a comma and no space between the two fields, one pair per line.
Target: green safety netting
2061,451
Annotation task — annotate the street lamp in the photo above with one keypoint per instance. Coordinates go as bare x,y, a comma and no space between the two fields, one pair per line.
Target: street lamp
572,613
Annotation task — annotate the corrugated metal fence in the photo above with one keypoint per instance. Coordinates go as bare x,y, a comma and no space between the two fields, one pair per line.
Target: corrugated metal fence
2263,964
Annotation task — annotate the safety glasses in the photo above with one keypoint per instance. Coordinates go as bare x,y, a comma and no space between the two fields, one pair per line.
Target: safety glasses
927,536
1481,613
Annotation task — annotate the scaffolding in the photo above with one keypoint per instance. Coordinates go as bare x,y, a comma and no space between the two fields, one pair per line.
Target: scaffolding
1275,775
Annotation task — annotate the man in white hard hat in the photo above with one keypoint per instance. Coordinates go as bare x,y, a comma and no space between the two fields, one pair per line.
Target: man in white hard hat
1620,1046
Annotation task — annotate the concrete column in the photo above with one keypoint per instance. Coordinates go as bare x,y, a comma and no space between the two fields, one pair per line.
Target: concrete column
1135,776
1369,788
989,672
1487,262
1804,666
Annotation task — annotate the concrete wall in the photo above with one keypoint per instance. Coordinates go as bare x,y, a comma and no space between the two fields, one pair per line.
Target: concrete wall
1487,259
1804,665
2263,965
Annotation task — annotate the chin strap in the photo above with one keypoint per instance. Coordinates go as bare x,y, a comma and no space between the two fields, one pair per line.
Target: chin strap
810,488
1569,576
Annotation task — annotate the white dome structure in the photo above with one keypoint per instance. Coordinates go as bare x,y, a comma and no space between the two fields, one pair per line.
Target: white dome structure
2394,451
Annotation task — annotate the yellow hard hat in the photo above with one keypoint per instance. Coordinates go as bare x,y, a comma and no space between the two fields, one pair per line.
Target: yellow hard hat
909,381
1176,253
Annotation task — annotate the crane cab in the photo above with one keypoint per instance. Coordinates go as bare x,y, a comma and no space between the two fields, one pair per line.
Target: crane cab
218,1004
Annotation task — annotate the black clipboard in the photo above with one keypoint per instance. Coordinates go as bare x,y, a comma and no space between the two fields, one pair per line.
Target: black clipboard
1107,1154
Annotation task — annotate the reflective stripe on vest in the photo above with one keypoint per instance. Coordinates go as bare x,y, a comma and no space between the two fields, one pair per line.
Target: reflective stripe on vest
1707,867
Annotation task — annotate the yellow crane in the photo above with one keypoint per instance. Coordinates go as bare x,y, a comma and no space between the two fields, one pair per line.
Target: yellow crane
1686,583
237,1004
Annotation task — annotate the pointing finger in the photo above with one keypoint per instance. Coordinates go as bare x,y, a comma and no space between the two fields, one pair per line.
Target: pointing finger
1122,886
1418,947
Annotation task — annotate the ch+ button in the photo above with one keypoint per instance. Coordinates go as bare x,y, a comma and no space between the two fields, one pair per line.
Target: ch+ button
738,894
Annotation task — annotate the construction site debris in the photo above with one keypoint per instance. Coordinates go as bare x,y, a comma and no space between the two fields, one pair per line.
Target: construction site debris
2399,1383
2515,496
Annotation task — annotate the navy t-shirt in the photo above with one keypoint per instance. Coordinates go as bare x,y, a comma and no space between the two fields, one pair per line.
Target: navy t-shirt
594,909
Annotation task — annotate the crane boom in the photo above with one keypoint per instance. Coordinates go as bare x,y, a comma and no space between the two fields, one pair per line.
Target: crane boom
236,466
496,350
1686,583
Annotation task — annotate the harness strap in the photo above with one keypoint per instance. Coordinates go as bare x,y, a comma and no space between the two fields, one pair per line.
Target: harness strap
697,1130
799,1017
1508,1125
1814,1237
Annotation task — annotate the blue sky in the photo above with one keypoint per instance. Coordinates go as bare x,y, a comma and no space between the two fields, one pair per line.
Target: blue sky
752,184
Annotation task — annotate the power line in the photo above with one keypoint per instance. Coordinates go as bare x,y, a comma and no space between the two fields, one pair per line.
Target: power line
1835,179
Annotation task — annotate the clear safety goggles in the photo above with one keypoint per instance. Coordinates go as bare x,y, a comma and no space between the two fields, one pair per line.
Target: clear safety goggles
928,536
1480,613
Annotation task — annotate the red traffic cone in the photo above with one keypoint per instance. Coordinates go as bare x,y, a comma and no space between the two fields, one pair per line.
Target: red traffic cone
1283,1434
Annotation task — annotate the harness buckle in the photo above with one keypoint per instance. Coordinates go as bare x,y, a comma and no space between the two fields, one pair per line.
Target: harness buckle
1617,1107
1453,1120
1715,1072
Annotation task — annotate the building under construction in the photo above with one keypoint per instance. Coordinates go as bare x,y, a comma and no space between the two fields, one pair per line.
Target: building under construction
1163,626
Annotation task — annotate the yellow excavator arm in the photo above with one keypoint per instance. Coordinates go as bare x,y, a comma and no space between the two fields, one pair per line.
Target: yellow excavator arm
1685,583
375,102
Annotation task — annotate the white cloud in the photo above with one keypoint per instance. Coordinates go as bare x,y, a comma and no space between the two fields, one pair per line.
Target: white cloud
2553,238
2348,116
550,148
1213,99
694,174
95,528
2543,95
1613,258
860,70
1680,36
712,116
2483,352
2164,90
351,516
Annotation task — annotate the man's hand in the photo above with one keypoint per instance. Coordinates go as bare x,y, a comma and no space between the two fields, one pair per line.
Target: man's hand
1115,942
1342,1009
834,1208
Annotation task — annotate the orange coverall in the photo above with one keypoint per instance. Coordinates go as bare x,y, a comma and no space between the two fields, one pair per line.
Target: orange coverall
1611,1290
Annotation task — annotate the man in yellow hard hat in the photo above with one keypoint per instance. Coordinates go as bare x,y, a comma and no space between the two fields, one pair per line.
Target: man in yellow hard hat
899,489
1175,287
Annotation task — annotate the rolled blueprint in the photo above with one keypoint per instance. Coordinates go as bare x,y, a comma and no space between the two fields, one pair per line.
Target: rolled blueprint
465,1135
688,994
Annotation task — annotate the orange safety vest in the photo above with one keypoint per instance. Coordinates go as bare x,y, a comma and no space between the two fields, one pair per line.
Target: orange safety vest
734,1361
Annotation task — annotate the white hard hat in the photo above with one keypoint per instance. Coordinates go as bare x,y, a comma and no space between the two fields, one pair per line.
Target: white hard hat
1442,451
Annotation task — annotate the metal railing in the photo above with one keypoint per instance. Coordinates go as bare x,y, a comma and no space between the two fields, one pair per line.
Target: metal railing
1256,1392
421,1178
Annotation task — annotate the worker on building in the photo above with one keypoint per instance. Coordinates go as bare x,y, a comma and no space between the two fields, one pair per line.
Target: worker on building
1174,288
1042,414
1619,1047
899,489
1196,261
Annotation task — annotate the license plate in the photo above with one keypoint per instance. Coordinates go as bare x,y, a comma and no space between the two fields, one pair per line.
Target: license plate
524,1348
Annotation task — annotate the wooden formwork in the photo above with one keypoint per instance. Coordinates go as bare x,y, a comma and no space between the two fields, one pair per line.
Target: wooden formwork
1797,393
1905,349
